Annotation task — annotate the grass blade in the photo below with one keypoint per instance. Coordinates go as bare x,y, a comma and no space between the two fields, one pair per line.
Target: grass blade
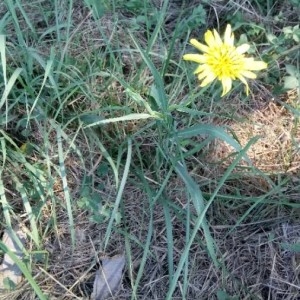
169,231
24,270
63,176
119,119
34,234
198,201
201,217
161,100
120,193
212,131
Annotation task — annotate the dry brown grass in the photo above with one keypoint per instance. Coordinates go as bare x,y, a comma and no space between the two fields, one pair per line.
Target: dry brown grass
257,264
276,151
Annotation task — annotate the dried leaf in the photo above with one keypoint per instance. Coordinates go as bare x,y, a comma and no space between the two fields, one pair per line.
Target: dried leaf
108,278
10,274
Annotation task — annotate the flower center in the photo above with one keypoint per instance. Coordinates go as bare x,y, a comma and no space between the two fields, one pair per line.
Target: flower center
224,61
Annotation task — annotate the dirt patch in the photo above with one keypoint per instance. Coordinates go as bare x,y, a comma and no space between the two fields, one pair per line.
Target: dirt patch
277,149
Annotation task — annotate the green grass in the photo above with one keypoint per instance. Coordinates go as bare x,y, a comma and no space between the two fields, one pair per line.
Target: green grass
104,129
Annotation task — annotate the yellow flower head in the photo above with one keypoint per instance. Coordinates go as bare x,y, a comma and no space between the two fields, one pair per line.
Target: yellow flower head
223,61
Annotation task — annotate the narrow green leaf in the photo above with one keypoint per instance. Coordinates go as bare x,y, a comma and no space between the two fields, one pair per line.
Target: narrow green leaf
31,217
119,119
199,205
46,74
9,86
201,217
212,131
161,100
168,222
65,185
120,193
3,57
24,270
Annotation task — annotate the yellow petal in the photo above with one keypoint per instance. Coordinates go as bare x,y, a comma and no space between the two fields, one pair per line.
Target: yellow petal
209,78
218,40
198,45
209,39
228,36
244,81
242,49
205,71
253,65
247,89
200,69
195,57
227,84
248,74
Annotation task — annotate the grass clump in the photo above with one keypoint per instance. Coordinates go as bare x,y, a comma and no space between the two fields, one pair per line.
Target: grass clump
110,146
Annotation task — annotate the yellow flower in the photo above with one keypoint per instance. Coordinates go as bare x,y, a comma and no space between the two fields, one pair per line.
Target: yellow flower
223,61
